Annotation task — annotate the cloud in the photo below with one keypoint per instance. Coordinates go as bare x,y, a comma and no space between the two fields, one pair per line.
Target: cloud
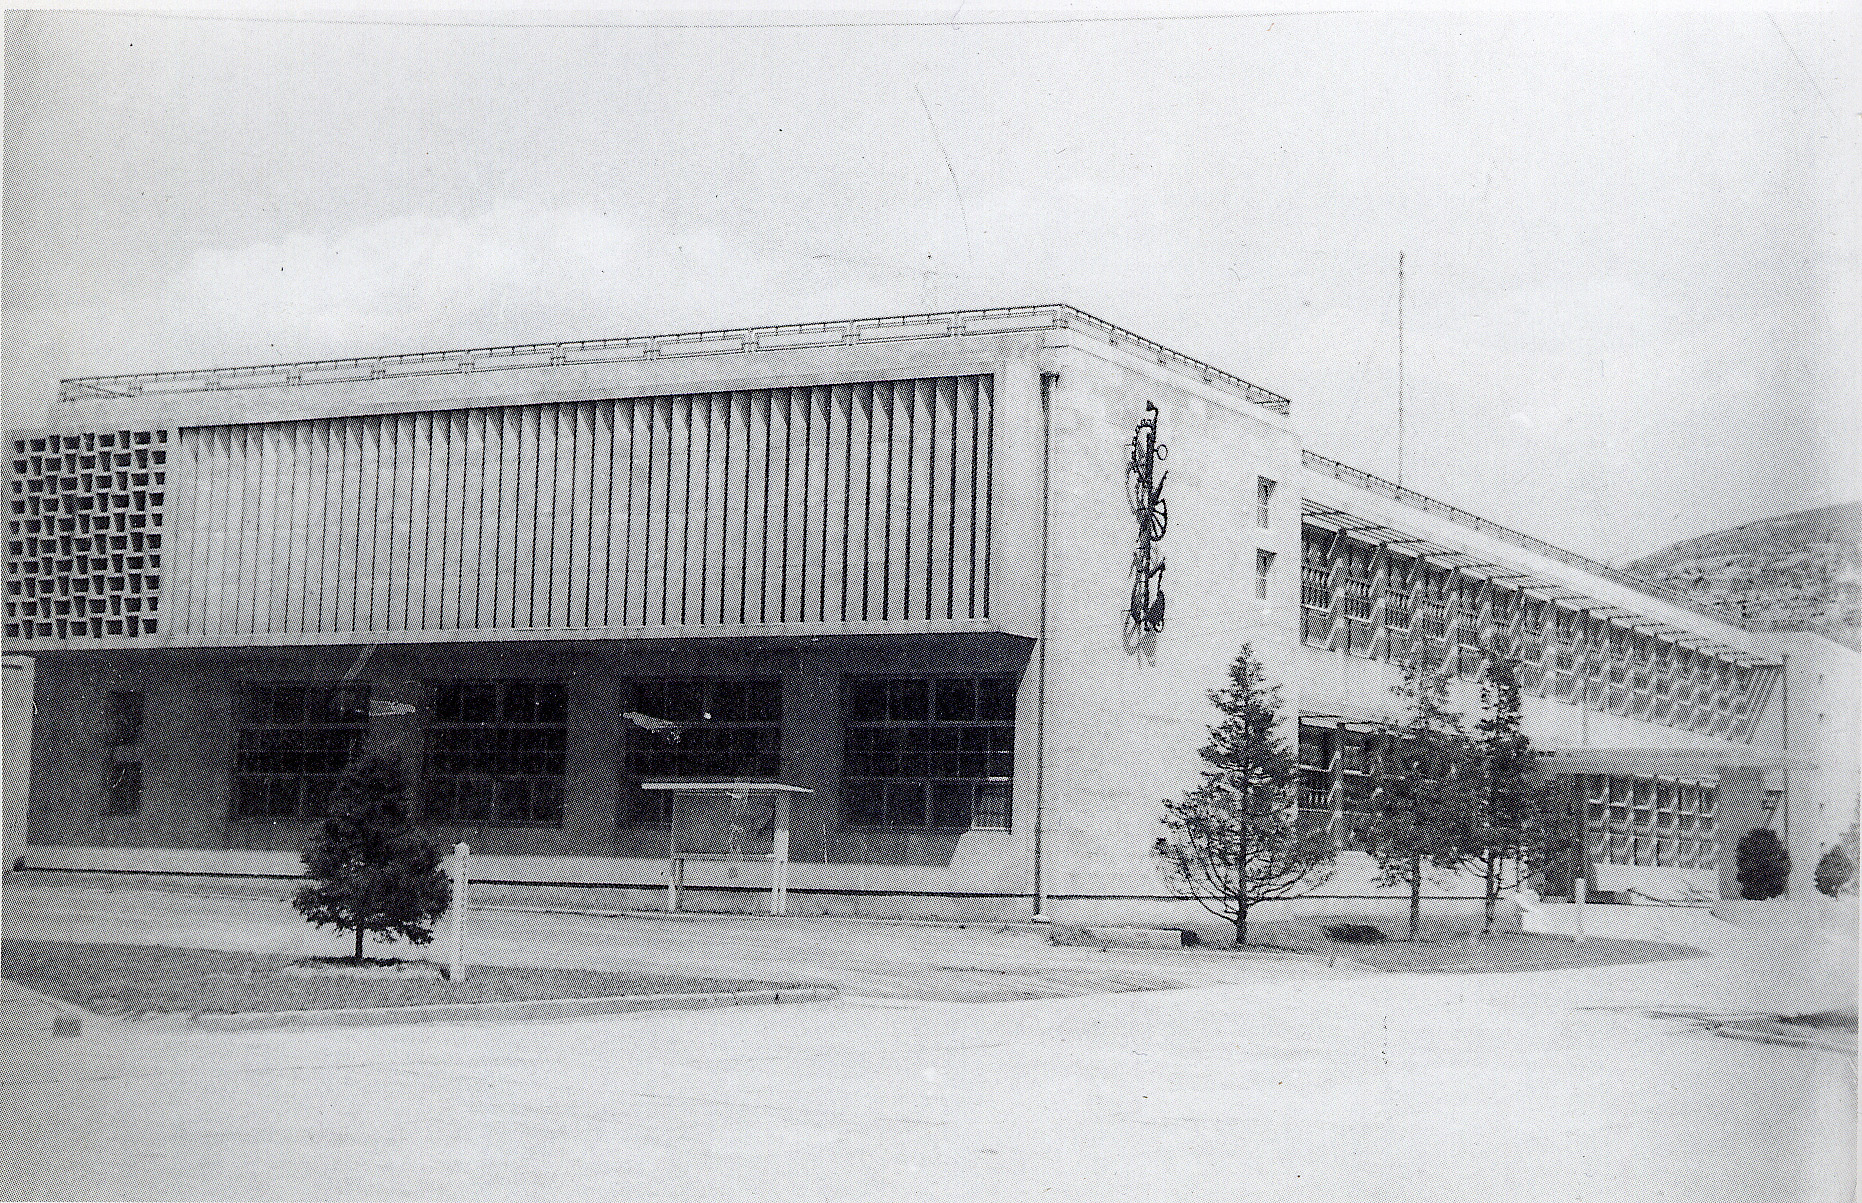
414,282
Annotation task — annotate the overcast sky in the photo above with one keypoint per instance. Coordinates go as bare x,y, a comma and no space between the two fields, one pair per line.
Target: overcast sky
1632,278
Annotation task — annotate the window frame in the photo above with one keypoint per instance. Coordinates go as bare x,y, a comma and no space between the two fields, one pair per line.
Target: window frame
125,712
312,787
544,791
1316,757
652,808
1429,613
1360,580
1315,571
985,740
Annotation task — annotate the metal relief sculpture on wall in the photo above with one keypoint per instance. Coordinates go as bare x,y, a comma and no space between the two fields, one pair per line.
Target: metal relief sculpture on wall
1145,487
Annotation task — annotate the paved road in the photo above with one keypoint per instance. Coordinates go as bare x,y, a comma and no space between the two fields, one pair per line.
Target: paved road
1283,1080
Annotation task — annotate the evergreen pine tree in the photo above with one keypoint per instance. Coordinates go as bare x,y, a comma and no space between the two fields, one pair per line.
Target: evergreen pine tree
372,870
1519,813
1234,840
1429,780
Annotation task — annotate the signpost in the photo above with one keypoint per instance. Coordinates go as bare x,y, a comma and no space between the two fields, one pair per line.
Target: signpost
728,821
455,950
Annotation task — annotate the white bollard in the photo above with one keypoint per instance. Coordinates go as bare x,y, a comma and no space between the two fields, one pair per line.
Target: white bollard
1578,912
455,958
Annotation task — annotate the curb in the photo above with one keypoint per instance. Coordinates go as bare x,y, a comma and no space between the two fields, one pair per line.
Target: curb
548,1008
538,908
67,1017
528,908
1786,1035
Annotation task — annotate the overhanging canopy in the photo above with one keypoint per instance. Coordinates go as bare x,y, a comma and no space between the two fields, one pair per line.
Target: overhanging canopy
1666,762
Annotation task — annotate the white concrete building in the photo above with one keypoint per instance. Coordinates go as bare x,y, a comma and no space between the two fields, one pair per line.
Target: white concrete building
908,564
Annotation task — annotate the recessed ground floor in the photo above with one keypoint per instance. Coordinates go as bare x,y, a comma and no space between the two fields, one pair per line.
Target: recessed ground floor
913,765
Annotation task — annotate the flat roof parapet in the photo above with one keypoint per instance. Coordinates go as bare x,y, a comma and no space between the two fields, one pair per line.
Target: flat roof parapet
955,323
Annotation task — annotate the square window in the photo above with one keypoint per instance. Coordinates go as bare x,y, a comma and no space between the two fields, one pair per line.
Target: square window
905,804
927,752
950,803
956,701
293,744
992,806
495,753
863,804
907,700
726,729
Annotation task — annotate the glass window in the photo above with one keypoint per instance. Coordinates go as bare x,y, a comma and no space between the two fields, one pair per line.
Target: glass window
1468,614
123,772
1358,570
700,728
1263,502
1315,756
1315,570
293,743
1431,613
1359,763
1532,618
1263,573
927,752
1396,594
495,753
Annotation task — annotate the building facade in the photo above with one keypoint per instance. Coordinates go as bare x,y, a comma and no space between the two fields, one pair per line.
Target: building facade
967,577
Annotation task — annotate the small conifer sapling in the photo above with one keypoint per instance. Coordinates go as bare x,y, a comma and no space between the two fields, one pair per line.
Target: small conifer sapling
1429,781
1761,864
1234,840
371,869
1834,869
1519,817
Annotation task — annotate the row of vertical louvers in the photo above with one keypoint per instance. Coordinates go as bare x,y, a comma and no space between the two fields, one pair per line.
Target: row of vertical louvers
851,503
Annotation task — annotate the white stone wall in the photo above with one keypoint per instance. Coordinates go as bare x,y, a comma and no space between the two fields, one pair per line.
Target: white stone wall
1126,712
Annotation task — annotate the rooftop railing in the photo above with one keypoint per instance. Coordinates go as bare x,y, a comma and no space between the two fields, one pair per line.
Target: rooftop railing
660,346
1390,489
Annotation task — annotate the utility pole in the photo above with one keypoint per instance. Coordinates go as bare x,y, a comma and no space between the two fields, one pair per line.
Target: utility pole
1399,441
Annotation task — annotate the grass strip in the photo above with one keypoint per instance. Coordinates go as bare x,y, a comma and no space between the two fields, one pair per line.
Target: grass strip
136,979
1510,952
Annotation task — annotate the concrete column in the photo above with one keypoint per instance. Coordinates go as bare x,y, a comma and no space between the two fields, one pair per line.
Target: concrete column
16,704
1738,808
811,752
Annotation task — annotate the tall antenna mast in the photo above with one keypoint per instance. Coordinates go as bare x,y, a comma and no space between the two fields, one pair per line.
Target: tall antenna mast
1399,474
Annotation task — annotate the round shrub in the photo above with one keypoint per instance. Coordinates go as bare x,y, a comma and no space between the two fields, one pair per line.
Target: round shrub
1834,871
1354,933
1762,865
